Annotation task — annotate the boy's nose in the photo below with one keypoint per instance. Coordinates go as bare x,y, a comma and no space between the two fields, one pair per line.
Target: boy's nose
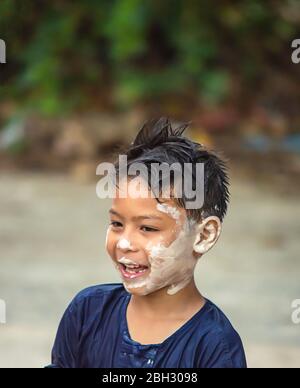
125,244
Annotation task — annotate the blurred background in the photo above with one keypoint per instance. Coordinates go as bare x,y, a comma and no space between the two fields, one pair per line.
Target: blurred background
80,79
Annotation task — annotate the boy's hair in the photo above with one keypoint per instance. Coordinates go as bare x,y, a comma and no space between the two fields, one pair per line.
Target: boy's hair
158,142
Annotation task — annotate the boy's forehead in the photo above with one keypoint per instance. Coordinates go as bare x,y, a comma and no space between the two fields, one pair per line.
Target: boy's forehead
129,201
137,207
143,204
132,187
139,188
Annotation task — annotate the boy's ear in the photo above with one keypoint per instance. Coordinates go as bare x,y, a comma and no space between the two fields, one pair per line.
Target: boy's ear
209,231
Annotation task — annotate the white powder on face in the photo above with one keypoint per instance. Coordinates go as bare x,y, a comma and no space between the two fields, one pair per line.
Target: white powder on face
126,261
171,266
171,210
123,244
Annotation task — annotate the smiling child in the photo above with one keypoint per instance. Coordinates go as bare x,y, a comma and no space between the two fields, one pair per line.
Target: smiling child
156,317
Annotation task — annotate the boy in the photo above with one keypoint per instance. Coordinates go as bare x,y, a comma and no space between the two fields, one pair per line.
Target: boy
157,317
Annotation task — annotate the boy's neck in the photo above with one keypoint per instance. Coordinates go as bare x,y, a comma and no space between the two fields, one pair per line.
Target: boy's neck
159,304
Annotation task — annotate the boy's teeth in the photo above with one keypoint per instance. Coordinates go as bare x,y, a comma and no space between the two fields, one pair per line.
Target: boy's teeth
134,269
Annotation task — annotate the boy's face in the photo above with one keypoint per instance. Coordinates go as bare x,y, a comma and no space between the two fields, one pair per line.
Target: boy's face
156,239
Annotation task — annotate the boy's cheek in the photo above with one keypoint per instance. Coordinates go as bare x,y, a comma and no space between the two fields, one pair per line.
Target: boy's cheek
109,243
107,239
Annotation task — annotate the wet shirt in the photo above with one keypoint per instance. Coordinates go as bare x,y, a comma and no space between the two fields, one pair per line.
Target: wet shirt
93,333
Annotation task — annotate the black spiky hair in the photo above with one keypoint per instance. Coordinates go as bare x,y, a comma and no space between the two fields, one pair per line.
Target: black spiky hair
158,142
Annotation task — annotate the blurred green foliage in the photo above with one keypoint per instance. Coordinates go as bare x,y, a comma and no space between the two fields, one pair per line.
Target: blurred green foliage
63,55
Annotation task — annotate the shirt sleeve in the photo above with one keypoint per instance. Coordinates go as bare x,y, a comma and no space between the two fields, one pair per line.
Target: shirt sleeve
223,352
65,349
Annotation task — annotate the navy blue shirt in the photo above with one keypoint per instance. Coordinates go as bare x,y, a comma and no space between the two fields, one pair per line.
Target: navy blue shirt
93,333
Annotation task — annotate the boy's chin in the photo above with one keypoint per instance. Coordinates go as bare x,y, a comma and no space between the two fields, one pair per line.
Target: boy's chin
143,291
138,291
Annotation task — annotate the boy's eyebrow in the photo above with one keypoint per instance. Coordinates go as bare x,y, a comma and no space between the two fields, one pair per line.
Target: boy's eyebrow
136,218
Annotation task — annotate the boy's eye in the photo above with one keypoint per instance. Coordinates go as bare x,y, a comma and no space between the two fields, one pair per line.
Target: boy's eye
115,224
148,229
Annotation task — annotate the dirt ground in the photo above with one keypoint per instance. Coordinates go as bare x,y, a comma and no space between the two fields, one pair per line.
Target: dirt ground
52,233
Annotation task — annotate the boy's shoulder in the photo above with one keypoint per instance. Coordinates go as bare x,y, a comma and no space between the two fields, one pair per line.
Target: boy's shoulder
217,323
100,291
218,335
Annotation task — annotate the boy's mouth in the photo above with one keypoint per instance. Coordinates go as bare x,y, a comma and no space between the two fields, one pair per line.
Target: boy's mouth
132,271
